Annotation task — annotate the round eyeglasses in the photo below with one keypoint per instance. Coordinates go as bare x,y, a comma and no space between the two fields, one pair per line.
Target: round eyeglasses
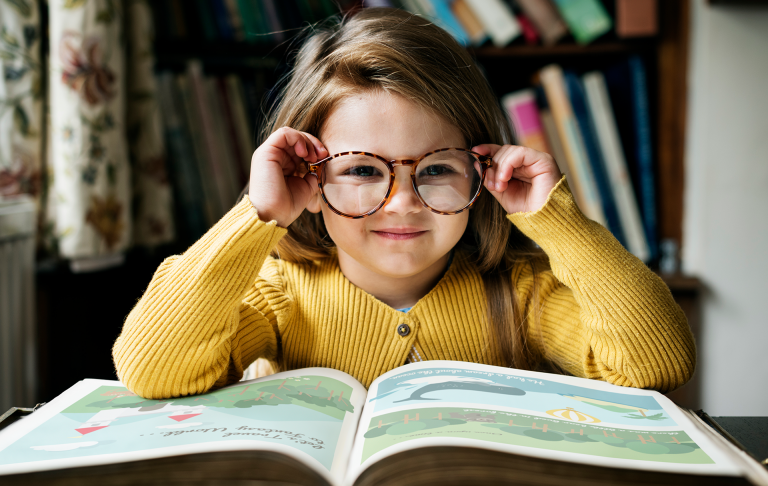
357,184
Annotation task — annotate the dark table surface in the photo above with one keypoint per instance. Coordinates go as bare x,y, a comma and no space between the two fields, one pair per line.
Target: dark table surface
751,432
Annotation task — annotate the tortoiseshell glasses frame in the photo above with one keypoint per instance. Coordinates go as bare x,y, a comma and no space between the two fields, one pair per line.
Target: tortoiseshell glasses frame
318,167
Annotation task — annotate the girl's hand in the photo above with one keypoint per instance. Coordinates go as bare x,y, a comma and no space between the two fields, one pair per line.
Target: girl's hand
280,185
521,178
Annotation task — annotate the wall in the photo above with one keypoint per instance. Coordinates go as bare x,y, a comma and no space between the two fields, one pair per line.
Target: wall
726,202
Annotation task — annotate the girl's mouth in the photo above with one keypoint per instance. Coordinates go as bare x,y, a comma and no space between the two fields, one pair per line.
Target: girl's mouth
399,233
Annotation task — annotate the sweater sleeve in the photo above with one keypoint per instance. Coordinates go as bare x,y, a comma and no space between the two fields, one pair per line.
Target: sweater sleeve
601,312
202,319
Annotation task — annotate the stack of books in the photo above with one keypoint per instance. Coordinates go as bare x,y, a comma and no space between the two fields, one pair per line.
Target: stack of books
472,22
547,22
597,127
211,137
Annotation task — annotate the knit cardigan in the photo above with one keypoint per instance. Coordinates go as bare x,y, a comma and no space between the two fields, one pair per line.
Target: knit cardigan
210,312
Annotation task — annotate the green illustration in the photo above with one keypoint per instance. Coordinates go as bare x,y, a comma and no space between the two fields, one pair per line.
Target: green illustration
578,433
322,394
302,412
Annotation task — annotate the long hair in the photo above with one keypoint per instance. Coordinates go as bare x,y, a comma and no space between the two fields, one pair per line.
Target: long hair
403,54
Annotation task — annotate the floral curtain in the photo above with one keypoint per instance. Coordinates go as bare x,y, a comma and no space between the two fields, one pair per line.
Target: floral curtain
21,96
90,188
153,223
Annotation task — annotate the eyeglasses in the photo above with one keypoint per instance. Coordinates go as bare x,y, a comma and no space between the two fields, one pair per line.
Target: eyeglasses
357,184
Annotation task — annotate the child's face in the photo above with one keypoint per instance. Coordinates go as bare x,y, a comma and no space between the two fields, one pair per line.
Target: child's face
403,238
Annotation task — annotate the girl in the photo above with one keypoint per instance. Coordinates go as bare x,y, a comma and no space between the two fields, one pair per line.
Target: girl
364,261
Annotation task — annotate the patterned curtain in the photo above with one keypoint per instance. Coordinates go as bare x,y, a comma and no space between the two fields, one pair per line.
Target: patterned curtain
153,223
21,96
90,188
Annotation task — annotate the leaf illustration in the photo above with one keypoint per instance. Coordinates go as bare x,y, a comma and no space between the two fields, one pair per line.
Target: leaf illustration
30,34
658,416
12,74
9,38
37,87
21,120
73,3
21,6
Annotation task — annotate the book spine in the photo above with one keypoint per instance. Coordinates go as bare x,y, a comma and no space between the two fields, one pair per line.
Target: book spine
222,151
177,11
243,127
206,16
644,151
221,16
636,18
587,19
553,139
545,18
448,21
235,19
584,184
615,163
497,20
469,22
273,20
251,23
194,128
594,156
189,187
228,122
213,158
524,114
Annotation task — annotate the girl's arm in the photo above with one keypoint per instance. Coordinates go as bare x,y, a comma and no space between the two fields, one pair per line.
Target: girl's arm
601,313
206,315
203,318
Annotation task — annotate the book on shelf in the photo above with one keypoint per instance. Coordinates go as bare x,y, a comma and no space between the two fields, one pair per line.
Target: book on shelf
523,113
594,156
545,18
469,22
188,184
607,134
636,18
438,422
628,93
210,140
586,19
584,187
497,20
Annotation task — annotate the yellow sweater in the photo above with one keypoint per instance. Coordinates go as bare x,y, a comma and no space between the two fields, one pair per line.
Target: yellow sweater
209,313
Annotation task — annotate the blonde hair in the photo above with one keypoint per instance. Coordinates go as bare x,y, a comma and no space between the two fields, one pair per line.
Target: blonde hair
399,53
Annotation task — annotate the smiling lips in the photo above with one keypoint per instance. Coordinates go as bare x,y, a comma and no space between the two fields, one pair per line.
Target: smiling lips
399,233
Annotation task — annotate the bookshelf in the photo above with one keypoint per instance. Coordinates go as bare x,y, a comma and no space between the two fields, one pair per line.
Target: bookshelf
507,69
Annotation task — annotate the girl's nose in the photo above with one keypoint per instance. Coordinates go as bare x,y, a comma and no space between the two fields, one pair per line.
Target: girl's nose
403,199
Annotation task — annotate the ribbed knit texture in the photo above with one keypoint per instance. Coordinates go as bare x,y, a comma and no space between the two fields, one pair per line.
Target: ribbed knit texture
209,313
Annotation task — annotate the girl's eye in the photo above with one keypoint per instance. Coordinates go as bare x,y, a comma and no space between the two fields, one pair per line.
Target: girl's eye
436,170
362,171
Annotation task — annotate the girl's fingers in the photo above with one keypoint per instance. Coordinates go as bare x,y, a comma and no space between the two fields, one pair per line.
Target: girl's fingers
486,149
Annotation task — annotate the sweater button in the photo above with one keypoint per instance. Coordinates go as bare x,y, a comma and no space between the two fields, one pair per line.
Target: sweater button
403,330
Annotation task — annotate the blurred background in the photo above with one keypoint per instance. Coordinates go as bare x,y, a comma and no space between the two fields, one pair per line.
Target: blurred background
126,129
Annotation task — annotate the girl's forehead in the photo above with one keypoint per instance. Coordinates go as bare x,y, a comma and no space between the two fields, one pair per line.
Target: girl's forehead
387,124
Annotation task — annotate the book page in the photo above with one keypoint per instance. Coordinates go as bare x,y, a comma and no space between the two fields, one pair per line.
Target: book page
557,417
309,414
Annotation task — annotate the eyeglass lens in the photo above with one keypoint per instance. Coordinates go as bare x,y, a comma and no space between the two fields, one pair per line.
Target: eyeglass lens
356,184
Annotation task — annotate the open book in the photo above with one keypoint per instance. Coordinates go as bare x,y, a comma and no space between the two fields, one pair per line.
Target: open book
441,422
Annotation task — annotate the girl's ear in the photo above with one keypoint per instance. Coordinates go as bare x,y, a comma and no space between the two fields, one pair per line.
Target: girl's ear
315,204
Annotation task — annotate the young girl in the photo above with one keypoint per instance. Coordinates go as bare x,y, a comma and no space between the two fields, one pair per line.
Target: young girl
365,261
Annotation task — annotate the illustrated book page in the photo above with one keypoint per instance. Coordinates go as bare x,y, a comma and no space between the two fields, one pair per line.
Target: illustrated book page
449,403
308,414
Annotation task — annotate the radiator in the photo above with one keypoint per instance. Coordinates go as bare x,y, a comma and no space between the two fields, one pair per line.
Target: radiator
18,380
